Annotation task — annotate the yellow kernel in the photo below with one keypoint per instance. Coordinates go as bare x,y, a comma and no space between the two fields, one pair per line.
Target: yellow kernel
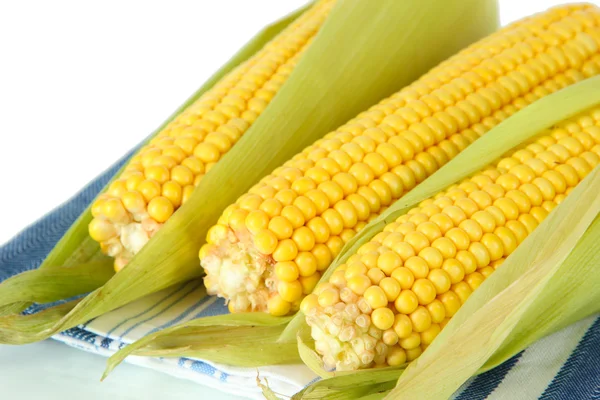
494,190
286,250
474,280
182,175
293,215
281,227
418,267
101,230
376,297
437,311
485,220
338,279
494,246
250,202
459,237
404,276
307,263
539,213
430,230
309,282
467,260
375,275
383,318
472,229
216,234
207,152
413,341
304,238
440,280
451,302
134,180
355,268
266,242
508,181
432,256
404,250
309,303
134,202
402,326
323,255
445,247
421,319
286,271
285,196
388,262
359,283
160,209
158,173
417,217
271,207
424,290
396,356
389,337
290,291
237,219
454,269
417,240
407,302
462,290
443,222
481,198
149,189
481,254
256,221
278,307
529,221
391,287
430,334
319,228
172,191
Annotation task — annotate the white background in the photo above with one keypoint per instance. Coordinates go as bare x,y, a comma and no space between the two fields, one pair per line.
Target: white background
82,82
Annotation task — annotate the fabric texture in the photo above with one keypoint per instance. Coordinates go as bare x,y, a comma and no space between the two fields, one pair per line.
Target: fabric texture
565,365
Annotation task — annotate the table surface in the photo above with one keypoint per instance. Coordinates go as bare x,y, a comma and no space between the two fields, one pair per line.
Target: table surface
54,371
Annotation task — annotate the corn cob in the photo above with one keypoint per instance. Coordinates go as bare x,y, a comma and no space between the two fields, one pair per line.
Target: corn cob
163,175
390,300
269,249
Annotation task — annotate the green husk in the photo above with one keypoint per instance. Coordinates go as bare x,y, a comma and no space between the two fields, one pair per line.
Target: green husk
390,37
353,62
76,248
266,390
49,284
557,283
515,130
250,344
502,304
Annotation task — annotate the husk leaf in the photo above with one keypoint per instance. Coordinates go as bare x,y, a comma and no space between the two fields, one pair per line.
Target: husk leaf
501,304
392,34
49,284
76,248
557,280
249,345
353,61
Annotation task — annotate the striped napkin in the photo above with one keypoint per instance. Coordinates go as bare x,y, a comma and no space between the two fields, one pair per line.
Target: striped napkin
565,365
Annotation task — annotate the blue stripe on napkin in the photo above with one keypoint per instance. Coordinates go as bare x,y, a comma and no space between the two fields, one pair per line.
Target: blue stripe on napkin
483,385
579,377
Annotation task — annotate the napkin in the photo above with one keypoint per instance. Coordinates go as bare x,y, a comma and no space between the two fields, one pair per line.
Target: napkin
565,365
